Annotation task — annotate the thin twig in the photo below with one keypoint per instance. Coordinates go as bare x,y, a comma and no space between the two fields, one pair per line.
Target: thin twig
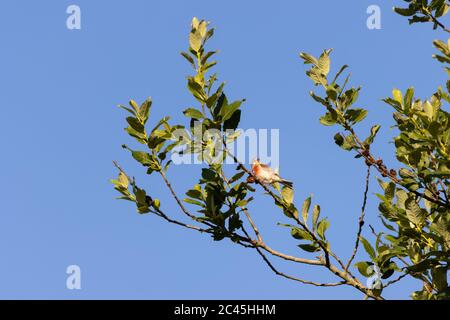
286,256
161,214
180,204
253,225
395,280
361,220
435,20
284,275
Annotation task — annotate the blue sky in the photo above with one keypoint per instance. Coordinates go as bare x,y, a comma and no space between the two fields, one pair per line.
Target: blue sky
60,130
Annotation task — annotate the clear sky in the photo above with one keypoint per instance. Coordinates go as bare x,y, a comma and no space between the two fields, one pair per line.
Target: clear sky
60,130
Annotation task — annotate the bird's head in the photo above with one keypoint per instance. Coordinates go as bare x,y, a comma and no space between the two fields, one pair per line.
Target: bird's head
255,162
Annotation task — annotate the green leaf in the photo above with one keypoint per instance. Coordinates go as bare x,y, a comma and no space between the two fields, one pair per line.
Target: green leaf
202,28
316,77
389,192
196,89
134,105
135,124
397,105
142,157
196,194
406,173
345,142
300,234
365,268
195,40
227,111
308,59
339,72
398,96
324,62
195,22
368,247
309,247
409,96
373,134
350,95
127,109
193,113
141,200
287,194
207,55
188,58
221,102
407,12
208,174
192,201
144,110
140,137
355,115
429,110
322,227
233,122
234,222
315,216
305,209
123,180
328,119
319,99
440,278
339,139
236,177
414,213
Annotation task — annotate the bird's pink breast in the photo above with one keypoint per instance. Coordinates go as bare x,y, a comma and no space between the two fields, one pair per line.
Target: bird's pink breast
257,169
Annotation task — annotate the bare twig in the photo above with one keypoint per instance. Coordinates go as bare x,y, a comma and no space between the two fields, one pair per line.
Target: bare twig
284,275
159,213
395,280
241,240
180,204
361,220
253,225
286,256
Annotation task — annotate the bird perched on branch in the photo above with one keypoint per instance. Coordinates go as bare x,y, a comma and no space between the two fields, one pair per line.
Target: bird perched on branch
267,175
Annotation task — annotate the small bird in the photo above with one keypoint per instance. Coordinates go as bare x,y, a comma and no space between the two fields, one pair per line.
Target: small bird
267,175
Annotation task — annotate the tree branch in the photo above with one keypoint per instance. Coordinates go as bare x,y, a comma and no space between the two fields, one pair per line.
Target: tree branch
381,168
345,274
435,20
271,266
